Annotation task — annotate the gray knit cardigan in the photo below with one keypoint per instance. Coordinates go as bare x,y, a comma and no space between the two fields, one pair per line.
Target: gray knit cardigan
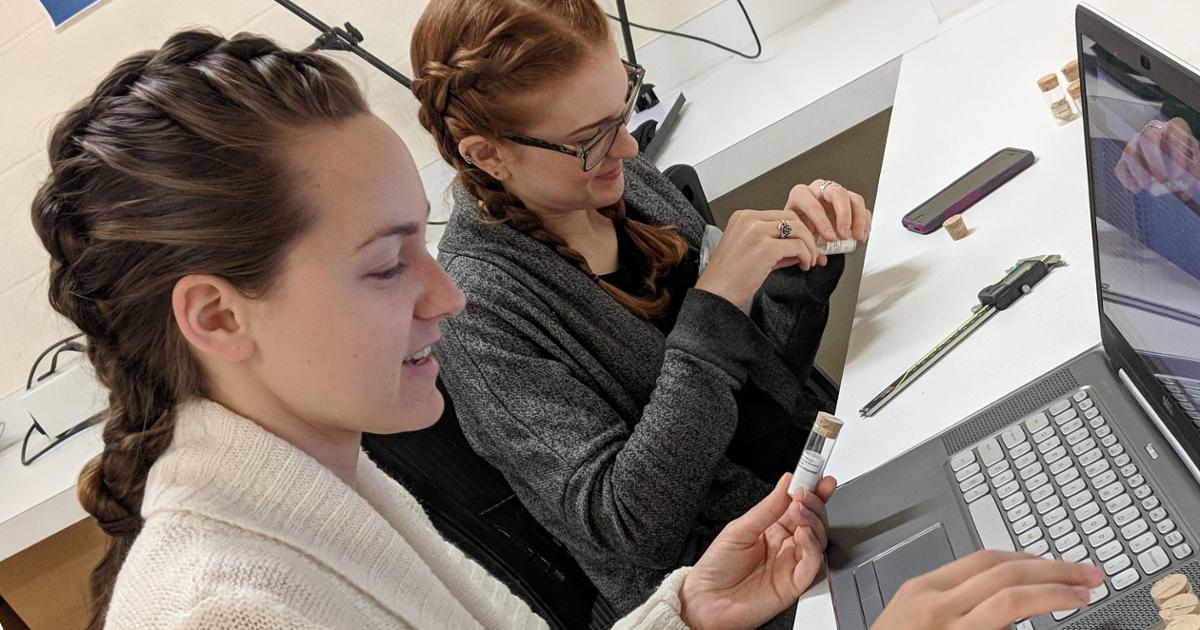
614,436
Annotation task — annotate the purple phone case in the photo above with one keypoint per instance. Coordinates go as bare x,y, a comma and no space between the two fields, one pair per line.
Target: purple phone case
972,197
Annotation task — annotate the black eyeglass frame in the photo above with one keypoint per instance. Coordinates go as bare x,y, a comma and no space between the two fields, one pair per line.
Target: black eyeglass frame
636,75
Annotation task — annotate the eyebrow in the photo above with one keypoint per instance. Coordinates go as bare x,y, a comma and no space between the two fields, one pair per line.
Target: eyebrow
403,229
594,125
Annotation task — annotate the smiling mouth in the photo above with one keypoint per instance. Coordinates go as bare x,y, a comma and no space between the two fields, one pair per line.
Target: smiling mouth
611,174
420,357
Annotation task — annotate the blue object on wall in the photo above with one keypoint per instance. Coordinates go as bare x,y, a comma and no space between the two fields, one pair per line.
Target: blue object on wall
60,11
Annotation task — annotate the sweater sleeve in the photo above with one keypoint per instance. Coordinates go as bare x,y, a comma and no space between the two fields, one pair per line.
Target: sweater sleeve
792,309
662,610
633,489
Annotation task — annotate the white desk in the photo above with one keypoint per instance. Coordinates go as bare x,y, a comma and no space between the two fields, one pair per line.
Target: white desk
961,97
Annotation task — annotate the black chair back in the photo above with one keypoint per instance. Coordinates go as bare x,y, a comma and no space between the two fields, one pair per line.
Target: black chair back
473,506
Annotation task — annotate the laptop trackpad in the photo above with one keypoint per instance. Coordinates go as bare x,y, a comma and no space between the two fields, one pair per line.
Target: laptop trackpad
878,580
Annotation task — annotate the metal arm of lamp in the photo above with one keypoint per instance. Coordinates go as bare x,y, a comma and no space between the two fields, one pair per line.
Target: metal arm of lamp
647,98
345,39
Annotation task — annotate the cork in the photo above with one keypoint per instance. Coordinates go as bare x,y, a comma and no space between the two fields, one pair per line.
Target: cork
1048,82
1186,622
956,227
827,425
1073,89
1178,606
1071,70
1168,587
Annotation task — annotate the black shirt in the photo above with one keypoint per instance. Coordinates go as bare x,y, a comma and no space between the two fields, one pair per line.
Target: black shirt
633,269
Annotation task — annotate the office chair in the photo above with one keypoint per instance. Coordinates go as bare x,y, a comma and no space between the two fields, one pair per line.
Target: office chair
687,181
473,506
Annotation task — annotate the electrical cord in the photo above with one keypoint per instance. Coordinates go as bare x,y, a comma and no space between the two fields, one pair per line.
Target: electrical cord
38,361
70,346
63,345
26,460
753,31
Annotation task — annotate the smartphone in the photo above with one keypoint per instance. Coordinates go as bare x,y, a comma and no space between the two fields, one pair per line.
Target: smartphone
965,191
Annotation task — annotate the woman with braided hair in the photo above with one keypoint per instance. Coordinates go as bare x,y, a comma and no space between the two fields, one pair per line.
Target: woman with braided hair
635,398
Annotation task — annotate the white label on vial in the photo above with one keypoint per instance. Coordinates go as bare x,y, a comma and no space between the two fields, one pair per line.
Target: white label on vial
808,472
831,248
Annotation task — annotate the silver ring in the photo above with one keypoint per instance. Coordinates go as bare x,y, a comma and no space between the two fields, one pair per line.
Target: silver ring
1154,123
785,229
826,184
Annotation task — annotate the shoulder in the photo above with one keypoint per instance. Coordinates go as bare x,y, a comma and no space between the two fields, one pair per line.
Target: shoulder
183,569
656,196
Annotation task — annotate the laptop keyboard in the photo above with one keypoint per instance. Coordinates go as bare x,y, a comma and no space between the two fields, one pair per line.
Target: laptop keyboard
1060,484
1187,393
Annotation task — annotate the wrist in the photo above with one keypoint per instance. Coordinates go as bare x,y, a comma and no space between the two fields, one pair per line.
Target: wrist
722,292
690,604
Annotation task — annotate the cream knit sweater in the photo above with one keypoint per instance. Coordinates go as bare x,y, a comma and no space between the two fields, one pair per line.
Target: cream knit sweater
246,532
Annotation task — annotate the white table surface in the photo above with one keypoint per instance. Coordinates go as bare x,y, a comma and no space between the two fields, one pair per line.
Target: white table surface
961,97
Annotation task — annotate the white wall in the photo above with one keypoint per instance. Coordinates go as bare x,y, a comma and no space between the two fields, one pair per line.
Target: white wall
42,72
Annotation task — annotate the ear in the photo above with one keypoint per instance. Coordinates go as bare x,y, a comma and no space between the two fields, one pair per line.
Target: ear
211,316
483,153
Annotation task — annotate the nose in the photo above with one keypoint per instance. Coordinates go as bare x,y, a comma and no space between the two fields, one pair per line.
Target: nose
442,298
625,147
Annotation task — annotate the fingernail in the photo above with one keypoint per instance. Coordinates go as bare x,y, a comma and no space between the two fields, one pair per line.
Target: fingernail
1082,594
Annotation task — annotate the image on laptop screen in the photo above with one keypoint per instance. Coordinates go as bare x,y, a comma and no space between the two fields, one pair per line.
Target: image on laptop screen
1146,175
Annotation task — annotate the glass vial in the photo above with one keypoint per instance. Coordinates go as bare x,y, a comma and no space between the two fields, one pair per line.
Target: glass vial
1070,71
1057,99
830,248
811,466
1075,94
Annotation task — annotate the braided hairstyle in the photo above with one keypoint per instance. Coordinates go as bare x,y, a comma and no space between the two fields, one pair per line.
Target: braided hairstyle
171,167
467,59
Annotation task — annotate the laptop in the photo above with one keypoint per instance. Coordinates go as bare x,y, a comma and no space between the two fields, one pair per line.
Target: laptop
1094,461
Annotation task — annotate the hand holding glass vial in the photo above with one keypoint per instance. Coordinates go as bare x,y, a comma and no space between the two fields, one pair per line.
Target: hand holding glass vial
811,466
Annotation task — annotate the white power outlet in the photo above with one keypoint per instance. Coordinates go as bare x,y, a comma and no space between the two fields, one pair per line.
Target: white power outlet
66,398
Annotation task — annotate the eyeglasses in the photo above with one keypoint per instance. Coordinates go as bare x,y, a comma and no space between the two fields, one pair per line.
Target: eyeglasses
591,152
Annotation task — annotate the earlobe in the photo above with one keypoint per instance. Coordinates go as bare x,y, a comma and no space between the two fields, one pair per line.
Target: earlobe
209,313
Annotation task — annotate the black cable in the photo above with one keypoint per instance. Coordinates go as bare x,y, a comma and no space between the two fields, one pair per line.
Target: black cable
67,347
38,361
58,347
25,460
753,31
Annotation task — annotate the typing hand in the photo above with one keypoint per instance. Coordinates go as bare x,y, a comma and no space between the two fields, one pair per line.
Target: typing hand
988,590
760,563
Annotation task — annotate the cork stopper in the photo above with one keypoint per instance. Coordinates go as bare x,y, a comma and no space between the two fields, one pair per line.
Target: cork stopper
827,425
1168,587
956,227
1073,89
1186,622
1178,606
1071,70
1048,82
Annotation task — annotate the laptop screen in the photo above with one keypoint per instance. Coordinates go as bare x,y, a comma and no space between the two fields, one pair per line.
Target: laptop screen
1145,162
